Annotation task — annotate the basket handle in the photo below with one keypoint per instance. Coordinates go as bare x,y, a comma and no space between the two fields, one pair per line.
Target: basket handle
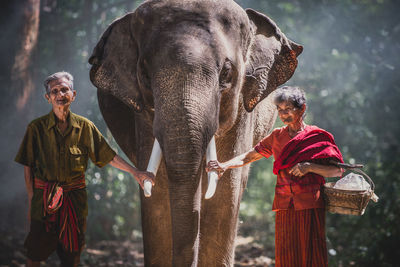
347,165
356,168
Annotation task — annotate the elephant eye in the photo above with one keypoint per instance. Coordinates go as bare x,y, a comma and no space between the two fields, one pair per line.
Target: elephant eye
225,76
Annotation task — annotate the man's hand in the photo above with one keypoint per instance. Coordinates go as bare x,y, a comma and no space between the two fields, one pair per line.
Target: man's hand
214,165
300,169
29,188
141,176
29,207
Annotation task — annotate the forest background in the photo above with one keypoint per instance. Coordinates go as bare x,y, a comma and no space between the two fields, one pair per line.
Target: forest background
349,70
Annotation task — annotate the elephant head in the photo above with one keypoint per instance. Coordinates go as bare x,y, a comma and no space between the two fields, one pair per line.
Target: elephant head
182,72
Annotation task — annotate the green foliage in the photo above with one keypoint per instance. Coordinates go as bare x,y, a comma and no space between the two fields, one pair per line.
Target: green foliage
256,215
114,204
349,70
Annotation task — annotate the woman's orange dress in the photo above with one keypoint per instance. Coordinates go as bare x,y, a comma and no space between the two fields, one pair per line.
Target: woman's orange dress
300,215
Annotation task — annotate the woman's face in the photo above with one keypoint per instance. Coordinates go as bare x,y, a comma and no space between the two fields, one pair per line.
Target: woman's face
288,113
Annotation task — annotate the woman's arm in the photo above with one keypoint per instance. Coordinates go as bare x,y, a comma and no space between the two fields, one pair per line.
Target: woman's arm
303,168
140,176
238,161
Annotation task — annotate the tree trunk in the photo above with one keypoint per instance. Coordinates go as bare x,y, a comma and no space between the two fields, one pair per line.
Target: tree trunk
21,73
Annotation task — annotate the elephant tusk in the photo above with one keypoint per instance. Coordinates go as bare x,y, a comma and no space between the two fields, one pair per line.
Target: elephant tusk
211,154
154,163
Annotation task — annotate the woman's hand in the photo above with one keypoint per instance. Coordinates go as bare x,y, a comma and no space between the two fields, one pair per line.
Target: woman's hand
300,169
214,165
141,176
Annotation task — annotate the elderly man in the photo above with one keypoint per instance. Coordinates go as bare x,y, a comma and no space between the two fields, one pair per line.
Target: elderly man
55,153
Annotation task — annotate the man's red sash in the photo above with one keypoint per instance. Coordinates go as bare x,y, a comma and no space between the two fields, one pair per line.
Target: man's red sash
55,199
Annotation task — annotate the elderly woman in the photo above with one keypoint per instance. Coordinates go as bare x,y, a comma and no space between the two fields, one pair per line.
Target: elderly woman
303,157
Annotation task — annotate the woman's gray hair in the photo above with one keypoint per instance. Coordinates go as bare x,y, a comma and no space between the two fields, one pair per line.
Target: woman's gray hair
57,76
292,94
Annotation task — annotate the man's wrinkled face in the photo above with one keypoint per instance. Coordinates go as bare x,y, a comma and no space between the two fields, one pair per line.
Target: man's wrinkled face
60,95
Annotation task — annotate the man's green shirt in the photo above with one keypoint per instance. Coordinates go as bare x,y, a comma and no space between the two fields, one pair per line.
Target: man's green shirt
62,157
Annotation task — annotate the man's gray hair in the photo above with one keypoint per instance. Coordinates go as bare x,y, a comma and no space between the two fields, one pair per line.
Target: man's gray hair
57,76
292,94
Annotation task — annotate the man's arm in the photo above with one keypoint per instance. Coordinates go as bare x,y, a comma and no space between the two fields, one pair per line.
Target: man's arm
29,187
140,176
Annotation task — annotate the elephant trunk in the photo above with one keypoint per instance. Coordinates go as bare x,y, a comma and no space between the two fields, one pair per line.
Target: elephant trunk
182,154
185,120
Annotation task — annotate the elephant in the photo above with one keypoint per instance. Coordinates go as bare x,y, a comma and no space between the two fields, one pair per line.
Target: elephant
183,72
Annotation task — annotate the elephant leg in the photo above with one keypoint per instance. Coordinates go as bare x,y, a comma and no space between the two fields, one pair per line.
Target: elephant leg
156,223
219,220
155,210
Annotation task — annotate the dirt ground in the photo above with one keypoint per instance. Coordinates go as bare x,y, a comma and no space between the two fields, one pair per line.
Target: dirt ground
119,253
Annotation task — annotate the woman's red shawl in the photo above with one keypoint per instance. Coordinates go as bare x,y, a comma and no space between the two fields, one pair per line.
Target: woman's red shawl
310,144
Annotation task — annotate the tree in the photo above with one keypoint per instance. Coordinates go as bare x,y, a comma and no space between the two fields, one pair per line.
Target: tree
21,73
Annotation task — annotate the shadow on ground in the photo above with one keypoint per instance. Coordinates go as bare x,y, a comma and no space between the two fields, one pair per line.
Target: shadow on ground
128,253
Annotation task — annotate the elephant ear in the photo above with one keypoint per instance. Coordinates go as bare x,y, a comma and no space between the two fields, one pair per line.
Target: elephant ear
120,120
114,63
272,60
113,72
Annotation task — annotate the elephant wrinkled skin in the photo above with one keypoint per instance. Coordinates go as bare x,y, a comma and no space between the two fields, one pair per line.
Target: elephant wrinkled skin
182,72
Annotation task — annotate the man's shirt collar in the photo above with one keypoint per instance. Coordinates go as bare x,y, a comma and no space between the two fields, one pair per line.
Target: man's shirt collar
72,120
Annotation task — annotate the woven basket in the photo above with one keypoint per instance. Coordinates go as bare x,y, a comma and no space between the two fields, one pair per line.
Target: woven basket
350,202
